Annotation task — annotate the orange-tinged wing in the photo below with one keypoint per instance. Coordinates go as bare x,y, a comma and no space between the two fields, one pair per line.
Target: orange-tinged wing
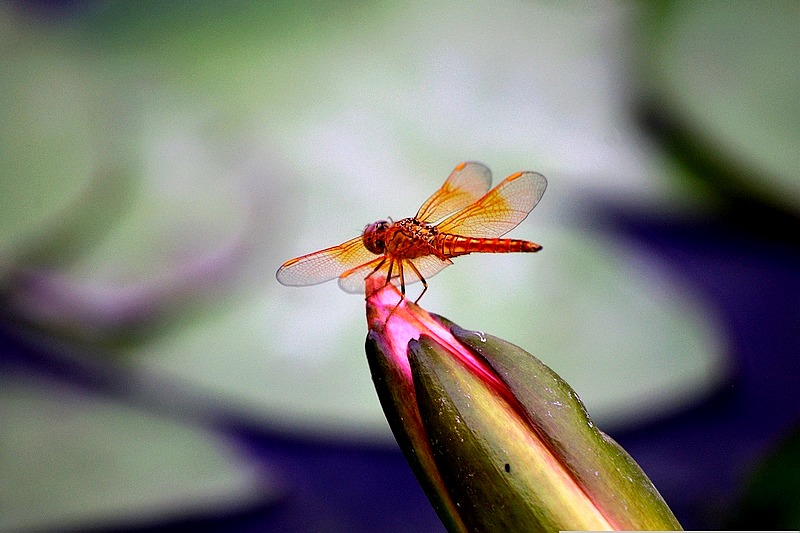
500,210
428,266
324,265
468,182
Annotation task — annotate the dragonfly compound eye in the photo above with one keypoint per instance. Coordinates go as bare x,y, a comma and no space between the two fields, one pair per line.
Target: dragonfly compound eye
373,237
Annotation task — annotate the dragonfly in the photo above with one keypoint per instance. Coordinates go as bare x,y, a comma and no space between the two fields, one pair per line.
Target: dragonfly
462,217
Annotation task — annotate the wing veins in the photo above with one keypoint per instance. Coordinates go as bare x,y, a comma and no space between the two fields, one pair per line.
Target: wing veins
468,182
324,265
500,210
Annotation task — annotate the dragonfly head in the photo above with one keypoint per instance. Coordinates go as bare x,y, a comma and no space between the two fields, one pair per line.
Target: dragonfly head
374,236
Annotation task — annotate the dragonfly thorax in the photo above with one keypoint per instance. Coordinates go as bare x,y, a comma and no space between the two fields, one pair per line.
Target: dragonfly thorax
405,239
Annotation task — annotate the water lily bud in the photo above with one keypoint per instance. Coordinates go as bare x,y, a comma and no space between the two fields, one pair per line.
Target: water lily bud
498,441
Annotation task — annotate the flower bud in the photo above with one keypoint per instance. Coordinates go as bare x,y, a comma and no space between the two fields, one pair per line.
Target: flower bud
498,441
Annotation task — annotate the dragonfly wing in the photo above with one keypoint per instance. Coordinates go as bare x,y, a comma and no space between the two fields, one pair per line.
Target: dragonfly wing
500,210
324,265
428,266
468,182
352,280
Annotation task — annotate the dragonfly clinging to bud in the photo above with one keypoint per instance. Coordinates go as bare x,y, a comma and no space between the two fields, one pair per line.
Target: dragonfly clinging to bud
458,219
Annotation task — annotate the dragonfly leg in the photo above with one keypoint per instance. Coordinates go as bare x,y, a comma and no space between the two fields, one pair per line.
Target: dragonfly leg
402,285
402,282
402,279
419,275
380,264
389,273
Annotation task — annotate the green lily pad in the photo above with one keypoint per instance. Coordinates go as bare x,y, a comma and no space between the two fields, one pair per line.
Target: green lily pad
729,73
182,234
75,461
366,113
47,159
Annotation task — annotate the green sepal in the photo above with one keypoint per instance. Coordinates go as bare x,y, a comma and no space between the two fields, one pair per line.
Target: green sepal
612,479
398,401
496,469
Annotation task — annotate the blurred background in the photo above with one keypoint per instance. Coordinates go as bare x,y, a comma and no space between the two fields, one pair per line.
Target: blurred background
160,160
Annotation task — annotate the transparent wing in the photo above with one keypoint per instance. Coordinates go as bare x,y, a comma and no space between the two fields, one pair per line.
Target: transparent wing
500,210
324,265
352,280
428,266
468,182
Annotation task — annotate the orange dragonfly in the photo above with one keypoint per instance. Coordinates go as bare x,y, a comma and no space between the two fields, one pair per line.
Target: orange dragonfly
415,249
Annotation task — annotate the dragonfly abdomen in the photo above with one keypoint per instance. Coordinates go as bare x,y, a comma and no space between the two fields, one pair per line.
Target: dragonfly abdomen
455,245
